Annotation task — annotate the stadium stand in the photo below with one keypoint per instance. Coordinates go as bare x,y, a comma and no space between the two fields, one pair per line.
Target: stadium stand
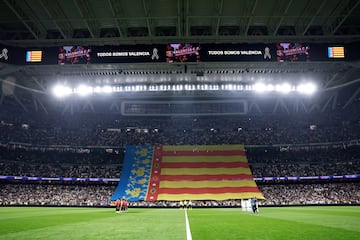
38,158
68,111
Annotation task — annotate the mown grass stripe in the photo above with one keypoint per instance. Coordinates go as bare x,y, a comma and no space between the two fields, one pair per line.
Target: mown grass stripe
295,223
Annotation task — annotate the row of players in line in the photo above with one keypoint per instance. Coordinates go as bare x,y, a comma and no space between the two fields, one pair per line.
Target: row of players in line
122,204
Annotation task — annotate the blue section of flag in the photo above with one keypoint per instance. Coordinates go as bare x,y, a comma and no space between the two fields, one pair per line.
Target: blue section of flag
330,52
28,56
135,174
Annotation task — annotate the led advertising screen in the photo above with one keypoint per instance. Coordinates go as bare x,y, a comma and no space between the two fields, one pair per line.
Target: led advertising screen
33,56
74,55
4,54
182,52
293,52
128,54
336,52
239,52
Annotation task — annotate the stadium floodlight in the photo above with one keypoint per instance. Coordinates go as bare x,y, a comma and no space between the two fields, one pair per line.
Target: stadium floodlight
307,88
84,90
153,87
259,87
106,89
62,91
97,89
283,88
270,88
248,87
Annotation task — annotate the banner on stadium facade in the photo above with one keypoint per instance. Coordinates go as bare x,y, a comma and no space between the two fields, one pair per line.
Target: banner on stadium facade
173,173
181,52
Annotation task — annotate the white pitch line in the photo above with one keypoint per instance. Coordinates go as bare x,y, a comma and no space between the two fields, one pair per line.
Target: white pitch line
188,232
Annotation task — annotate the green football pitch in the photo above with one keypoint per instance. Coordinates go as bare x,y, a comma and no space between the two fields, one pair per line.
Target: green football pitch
290,223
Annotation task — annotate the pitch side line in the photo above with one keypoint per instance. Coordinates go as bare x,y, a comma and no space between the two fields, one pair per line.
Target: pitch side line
188,232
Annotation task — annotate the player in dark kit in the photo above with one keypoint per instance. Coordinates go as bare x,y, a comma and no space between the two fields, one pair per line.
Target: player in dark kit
253,205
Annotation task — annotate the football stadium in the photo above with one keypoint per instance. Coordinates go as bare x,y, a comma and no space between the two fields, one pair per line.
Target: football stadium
179,120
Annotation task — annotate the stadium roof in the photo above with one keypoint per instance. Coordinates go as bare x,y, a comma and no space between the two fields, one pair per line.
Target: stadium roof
98,22
53,23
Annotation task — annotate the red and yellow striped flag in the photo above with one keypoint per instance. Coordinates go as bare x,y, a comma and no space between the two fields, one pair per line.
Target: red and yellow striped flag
209,172
336,52
33,56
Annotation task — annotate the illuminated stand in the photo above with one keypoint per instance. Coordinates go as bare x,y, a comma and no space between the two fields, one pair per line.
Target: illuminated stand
246,205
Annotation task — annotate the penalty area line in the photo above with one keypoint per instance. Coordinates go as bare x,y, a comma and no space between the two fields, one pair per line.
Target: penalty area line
188,232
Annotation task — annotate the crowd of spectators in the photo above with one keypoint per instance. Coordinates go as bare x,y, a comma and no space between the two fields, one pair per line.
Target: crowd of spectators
55,194
305,194
40,163
99,195
305,170
309,155
322,161
89,145
98,163
264,162
90,129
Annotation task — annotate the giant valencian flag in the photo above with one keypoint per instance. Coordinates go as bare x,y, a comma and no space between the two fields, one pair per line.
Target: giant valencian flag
209,172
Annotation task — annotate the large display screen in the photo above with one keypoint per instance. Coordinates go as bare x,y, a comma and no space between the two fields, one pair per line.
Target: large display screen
74,55
293,52
128,54
239,52
33,56
182,52
336,52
